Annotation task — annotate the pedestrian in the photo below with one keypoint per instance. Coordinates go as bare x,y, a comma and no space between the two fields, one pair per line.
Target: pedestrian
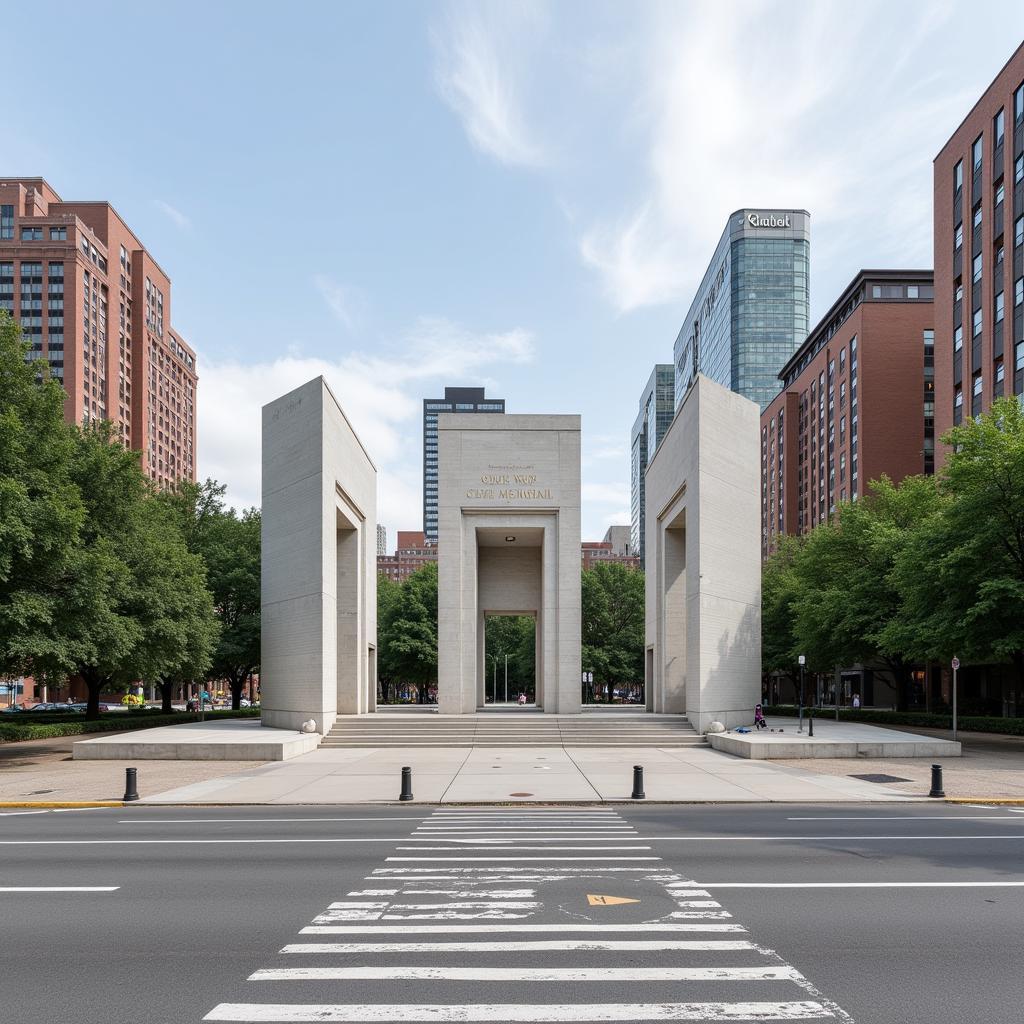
759,719
856,701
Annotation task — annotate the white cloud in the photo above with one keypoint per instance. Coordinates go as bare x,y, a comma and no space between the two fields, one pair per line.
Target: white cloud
173,213
604,493
477,59
381,394
746,104
344,301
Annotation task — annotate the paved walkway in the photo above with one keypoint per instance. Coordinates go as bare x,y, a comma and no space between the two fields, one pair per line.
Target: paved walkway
449,775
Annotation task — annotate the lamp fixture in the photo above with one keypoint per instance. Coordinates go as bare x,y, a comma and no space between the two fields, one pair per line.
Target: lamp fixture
509,540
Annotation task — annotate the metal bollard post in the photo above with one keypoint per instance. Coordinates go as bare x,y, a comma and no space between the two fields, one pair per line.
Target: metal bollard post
131,791
936,789
638,782
810,724
406,784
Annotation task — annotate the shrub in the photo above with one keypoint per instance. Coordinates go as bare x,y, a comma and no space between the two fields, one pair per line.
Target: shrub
31,726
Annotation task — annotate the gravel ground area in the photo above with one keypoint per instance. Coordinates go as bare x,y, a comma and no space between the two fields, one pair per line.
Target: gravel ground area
44,770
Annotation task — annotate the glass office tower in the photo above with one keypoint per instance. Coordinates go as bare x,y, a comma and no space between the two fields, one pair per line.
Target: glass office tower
752,309
657,407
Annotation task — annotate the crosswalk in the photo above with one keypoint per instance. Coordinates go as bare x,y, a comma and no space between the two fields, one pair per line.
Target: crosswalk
526,915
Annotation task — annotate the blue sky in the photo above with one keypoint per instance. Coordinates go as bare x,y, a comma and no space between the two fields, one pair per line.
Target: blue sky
521,195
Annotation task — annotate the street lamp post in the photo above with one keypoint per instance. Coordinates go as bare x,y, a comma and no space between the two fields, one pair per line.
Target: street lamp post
803,661
494,684
506,678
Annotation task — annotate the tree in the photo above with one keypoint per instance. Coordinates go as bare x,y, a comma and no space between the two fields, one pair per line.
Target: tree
229,546
512,637
613,624
780,588
408,649
962,577
41,512
389,593
847,597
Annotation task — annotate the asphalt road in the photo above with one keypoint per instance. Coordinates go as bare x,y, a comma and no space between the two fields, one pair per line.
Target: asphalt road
902,914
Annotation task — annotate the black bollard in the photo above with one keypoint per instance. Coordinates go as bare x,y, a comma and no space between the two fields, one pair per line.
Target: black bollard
131,791
936,789
406,784
638,782
810,725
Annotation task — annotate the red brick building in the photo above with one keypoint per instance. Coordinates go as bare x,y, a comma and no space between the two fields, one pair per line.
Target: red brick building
979,249
596,552
857,402
412,552
96,305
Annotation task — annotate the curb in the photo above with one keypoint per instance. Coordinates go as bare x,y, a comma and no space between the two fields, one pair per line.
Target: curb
1000,801
61,803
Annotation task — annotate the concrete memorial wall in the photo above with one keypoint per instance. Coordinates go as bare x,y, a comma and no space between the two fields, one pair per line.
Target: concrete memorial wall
703,561
319,578
508,543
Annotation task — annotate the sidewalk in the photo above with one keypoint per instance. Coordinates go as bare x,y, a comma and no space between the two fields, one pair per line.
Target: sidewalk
505,775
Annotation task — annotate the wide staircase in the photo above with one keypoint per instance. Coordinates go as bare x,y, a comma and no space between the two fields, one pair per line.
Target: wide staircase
513,729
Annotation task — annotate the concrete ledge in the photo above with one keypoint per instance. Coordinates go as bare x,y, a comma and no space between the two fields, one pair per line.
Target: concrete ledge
793,745
242,740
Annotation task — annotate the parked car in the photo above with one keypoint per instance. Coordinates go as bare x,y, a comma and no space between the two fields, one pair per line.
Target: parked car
83,707
13,709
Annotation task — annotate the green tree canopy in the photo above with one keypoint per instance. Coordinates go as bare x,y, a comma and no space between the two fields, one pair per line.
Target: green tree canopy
407,630
41,512
229,546
962,577
780,587
613,623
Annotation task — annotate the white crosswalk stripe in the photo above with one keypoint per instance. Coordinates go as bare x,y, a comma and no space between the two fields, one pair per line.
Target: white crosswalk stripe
418,918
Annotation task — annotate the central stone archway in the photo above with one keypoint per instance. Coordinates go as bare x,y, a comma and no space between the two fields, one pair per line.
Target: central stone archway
508,543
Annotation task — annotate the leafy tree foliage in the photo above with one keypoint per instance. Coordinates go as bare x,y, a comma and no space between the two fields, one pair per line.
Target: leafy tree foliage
613,624
41,511
962,578
780,587
513,636
229,546
407,630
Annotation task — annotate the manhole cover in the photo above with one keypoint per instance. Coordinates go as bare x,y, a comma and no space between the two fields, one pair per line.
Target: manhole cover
880,778
520,794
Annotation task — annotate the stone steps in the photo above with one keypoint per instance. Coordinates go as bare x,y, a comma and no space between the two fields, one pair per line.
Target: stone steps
514,730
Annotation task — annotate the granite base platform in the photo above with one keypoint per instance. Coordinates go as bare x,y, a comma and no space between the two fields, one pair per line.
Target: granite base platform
231,740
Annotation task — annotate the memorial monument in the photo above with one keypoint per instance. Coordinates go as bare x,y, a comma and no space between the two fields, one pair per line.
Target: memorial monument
508,544
703,561
319,578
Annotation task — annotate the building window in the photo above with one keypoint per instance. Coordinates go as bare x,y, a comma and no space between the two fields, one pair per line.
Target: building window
1018,231
31,234
1000,372
1000,193
976,151
958,176
958,338
999,308
999,127
977,217
958,241
977,385
58,234
7,221
1018,103
1018,362
912,291
1018,169
976,271
1018,291
977,323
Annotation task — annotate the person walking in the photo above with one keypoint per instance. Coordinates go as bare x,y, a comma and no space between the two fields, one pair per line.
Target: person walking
856,701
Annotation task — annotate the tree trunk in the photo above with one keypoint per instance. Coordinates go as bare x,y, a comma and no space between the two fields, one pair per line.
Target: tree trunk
166,693
93,683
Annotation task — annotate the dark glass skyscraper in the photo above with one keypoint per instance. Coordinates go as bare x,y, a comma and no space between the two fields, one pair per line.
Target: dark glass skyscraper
752,309
455,400
657,407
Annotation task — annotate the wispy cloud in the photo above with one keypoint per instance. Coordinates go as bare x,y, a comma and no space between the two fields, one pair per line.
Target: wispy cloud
344,301
173,213
478,58
746,104
380,391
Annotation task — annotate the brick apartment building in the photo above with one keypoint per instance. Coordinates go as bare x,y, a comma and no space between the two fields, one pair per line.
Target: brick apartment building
413,551
97,307
857,402
979,253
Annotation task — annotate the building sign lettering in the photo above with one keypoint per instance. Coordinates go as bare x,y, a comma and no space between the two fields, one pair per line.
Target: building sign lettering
759,220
